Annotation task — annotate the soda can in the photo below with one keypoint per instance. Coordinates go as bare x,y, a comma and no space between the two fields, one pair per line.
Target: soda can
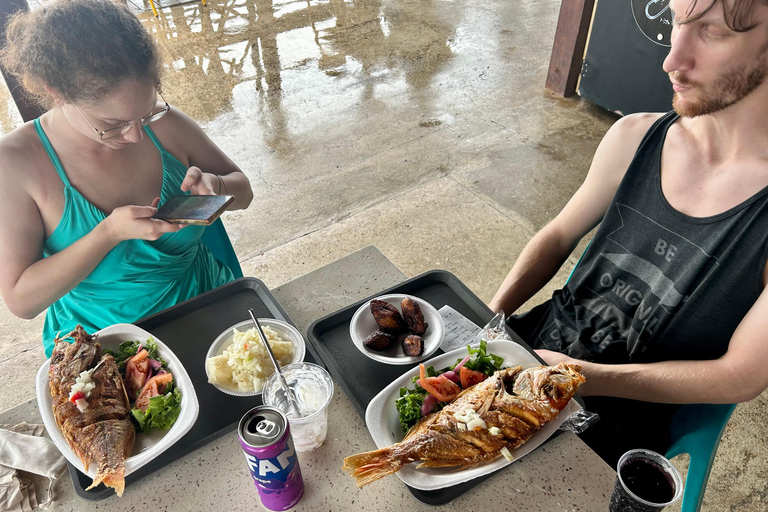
265,436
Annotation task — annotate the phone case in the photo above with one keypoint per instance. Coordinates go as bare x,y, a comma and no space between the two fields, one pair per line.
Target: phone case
175,217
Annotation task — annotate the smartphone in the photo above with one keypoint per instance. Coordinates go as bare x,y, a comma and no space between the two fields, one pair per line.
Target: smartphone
199,210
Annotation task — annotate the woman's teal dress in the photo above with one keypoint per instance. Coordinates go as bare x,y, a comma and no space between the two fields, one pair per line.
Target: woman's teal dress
137,277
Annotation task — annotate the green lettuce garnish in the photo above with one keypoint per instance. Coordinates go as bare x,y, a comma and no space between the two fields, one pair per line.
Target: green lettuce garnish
161,413
129,349
482,361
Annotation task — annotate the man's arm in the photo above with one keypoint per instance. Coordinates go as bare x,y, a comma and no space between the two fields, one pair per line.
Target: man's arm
738,376
547,251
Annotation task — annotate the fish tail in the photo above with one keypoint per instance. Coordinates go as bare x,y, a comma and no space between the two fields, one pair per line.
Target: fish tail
112,477
370,466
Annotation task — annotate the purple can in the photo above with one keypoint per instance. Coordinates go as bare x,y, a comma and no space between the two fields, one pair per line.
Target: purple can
266,440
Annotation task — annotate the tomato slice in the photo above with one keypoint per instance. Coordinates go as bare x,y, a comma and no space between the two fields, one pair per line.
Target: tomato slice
151,388
441,387
136,371
77,396
470,377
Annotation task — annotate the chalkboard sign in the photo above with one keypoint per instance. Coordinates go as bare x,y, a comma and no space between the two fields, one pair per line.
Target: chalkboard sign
628,43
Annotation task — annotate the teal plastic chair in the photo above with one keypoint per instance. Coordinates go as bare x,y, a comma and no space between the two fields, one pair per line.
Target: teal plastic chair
216,239
696,430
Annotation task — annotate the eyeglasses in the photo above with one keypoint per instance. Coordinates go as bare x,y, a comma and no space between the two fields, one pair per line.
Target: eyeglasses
117,131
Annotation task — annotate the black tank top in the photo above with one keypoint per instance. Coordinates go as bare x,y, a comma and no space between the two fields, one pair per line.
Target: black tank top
656,284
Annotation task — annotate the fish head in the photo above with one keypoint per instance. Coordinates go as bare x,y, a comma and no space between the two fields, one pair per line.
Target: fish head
554,383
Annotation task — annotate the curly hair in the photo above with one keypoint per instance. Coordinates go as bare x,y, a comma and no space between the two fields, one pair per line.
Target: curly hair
80,48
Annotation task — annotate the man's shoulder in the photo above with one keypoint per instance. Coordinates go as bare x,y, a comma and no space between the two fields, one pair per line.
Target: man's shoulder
635,125
621,141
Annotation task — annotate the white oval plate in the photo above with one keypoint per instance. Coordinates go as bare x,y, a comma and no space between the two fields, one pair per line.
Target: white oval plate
363,324
285,330
147,446
382,421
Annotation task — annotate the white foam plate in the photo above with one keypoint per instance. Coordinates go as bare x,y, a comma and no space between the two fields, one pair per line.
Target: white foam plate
382,420
363,324
283,329
147,446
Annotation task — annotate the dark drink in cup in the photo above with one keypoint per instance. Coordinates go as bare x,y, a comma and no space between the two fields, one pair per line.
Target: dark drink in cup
265,437
646,482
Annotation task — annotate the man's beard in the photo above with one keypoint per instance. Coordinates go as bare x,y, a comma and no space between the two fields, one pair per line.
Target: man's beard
728,89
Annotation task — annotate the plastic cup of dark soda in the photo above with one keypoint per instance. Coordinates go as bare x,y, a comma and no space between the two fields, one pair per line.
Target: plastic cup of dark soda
645,482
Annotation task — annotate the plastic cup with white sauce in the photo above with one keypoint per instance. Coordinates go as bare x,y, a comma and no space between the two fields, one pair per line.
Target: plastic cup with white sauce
313,388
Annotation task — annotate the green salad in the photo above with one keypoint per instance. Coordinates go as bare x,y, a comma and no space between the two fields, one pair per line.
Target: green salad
434,389
151,388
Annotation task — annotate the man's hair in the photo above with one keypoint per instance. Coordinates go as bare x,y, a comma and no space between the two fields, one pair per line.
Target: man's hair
738,17
80,48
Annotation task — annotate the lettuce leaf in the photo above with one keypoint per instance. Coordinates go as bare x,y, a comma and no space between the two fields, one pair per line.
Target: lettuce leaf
481,361
161,413
409,407
129,349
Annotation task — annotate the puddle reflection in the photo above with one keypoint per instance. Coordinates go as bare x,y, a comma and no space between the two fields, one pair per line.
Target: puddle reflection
296,65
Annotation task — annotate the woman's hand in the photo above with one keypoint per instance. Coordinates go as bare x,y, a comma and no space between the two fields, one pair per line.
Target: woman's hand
136,222
199,183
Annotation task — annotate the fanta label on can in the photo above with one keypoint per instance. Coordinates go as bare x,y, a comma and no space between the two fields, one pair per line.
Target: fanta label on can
265,437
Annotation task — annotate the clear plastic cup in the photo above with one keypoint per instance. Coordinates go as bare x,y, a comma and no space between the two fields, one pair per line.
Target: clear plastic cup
645,482
313,388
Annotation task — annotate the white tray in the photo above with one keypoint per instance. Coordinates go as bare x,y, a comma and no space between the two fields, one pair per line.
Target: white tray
147,446
382,420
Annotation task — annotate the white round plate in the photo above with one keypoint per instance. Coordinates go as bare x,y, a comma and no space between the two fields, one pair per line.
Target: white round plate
363,324
285,330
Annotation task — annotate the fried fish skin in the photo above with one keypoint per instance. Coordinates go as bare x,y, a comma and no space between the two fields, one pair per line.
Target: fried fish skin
102,433
517,402
413,316
388,317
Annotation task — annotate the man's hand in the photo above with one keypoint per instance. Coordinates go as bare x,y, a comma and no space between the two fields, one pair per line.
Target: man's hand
553,358
200,183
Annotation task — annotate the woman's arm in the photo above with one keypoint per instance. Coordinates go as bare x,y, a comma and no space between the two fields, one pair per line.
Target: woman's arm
185,139
30,283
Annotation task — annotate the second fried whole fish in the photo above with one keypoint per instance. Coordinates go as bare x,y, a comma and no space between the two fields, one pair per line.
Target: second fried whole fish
496,415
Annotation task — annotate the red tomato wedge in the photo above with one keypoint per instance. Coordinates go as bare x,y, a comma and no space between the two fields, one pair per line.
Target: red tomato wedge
441,387
151,388
470,377
136,371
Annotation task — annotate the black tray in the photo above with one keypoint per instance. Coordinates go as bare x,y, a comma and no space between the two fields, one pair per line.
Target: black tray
188,329
362,378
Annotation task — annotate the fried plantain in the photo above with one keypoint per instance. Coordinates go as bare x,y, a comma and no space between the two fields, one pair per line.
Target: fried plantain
413,316
413,345
379,340
388,317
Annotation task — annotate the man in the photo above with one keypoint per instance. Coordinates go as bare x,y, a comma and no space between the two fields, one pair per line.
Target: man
672,285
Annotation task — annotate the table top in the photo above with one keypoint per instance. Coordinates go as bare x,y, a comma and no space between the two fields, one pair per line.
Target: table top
564,474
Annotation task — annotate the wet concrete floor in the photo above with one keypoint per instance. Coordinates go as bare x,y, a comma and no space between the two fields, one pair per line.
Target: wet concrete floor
420,127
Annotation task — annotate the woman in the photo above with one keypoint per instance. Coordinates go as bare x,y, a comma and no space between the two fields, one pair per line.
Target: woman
82,182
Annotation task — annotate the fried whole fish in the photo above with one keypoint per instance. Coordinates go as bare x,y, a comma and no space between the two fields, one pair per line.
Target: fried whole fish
103,432
513,404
